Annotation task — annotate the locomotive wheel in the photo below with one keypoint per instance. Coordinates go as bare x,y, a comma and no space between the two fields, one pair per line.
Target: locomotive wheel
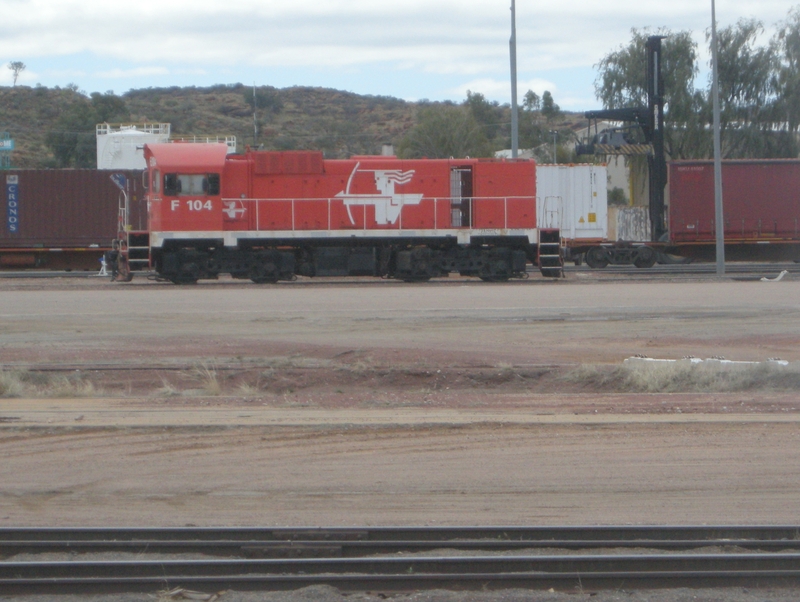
189,273
645,258
596,258
261,274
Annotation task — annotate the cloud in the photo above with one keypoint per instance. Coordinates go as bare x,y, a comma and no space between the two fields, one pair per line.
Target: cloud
352,44
136,72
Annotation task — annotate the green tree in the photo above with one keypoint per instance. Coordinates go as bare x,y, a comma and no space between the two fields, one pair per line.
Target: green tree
266,99
550,109
445,131
109,108
759,87
746,90
786,47
622,83
16,67
531,101
490,115
537,129
533,130
72,139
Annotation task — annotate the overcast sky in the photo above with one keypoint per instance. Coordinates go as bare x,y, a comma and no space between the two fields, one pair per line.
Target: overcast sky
411,49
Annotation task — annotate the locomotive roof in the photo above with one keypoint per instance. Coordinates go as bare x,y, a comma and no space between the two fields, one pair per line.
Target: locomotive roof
186,155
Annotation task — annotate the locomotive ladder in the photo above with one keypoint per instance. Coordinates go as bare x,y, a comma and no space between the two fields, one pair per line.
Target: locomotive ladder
133,245
551,263
137,250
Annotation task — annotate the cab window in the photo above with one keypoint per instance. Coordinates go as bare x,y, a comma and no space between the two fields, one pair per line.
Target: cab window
178,184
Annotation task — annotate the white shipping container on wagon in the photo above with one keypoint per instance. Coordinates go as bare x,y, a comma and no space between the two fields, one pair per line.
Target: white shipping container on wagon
573,198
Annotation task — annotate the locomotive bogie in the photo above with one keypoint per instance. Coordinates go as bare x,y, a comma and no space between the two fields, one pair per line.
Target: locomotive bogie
410,263
188,265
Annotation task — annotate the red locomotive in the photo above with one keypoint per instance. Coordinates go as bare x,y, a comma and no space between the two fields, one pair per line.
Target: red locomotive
269,216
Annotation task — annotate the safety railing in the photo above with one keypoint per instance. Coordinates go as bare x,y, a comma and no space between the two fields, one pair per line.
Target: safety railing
371,212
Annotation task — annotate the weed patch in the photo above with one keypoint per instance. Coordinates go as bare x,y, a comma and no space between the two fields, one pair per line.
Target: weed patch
683,377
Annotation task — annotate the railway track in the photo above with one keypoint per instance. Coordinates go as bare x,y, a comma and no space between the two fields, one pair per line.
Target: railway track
394,559
733,270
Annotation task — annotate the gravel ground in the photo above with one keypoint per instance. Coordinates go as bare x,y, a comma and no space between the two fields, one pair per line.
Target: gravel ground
383,403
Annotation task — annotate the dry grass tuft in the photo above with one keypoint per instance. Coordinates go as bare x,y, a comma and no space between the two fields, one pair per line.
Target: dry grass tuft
64,387
683,377
248,390
22,383
207,376
167,389
11,385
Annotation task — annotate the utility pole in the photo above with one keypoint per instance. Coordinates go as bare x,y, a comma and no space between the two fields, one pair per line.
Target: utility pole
255,120
718,213
512,43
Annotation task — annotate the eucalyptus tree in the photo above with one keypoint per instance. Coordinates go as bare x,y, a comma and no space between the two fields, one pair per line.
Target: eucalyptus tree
786,81
622,83
445,130
747,92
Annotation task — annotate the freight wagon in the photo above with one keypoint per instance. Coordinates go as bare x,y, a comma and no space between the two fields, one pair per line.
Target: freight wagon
269,216
761,209
65,219
761,201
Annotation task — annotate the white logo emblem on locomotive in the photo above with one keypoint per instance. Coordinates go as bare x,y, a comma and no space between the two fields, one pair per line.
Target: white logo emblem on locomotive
388,204
232,210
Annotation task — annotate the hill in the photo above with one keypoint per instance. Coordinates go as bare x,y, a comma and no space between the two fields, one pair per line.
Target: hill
54,127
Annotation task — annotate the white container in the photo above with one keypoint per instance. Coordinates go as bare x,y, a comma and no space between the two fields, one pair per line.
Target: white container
573,198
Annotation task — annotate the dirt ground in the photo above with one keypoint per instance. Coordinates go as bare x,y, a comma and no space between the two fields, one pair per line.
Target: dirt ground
380,403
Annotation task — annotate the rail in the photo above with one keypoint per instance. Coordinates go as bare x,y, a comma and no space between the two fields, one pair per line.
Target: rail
351,212
358,559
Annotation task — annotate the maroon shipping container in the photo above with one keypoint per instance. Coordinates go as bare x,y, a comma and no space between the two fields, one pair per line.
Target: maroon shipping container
65,208
761,200
64,218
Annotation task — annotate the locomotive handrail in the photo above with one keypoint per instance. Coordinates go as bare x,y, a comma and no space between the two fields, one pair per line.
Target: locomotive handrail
473,204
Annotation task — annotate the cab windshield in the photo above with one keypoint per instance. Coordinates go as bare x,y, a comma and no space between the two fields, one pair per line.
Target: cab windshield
178,184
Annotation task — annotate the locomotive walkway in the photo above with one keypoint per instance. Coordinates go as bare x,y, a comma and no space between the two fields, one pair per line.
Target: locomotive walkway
401,558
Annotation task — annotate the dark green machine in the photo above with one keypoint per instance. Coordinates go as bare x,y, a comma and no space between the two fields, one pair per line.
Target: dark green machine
644,136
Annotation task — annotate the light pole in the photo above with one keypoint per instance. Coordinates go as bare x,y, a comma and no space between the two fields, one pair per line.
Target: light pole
555,154
512,44
718,213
